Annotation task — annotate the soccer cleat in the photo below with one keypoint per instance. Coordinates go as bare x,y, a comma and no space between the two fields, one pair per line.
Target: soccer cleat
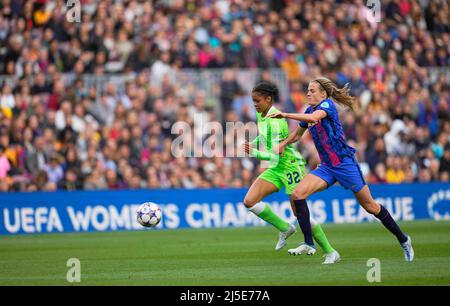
331,258
408,250
303,249
283,236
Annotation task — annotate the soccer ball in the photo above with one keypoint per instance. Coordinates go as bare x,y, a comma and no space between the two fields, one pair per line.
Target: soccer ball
149,214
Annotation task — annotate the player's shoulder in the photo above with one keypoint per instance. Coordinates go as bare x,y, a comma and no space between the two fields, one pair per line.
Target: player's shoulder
273,110
327,104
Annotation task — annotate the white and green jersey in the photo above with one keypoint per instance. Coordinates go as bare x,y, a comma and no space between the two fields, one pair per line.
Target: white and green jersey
271,132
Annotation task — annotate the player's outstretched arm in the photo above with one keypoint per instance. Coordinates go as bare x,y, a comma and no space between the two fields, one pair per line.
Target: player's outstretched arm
292,138
308,118
295,135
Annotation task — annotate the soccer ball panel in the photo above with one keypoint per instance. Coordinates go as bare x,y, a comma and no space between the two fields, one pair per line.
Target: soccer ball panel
158,214
153,221
153,206
145,218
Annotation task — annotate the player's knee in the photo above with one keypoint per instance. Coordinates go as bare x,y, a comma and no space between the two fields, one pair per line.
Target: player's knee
299,195
372,208
249,202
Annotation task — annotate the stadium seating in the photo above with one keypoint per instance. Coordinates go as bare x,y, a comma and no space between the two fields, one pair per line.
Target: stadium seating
90,104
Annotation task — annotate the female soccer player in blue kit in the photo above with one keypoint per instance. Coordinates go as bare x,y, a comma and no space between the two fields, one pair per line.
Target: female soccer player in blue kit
338,163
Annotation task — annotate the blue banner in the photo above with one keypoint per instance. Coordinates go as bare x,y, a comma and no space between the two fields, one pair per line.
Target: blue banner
85,211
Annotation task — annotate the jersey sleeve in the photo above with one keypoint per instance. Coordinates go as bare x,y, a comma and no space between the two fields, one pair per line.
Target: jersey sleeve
327,106
255,142
264,155
276,133
303,124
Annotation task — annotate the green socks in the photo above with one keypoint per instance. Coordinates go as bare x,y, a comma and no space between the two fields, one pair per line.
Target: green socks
264,212
321,238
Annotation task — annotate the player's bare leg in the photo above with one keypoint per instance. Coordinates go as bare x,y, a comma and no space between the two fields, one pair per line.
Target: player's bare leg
258,191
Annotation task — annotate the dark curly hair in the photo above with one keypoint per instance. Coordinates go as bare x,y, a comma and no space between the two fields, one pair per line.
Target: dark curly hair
267,89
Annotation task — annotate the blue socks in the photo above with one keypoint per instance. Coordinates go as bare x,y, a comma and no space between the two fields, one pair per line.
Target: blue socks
301,208
387,220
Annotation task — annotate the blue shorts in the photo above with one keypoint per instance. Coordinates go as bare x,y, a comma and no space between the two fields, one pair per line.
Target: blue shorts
347,173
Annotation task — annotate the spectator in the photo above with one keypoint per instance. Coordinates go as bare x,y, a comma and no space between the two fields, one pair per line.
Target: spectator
54,170
380,173
5,166
7,98
70,181
394,172
37,155
95,181
376,153
444,166
424,175
228,88
243,106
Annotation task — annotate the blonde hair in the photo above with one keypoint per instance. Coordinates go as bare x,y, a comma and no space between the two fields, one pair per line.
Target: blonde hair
340,95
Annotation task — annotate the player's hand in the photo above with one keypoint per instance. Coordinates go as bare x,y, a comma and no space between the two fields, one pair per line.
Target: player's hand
247,147
277,115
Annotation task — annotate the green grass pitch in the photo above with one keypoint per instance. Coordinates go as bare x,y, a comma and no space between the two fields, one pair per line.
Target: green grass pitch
229,256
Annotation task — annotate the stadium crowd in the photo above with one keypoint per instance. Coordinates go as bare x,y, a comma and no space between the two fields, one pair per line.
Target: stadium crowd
62,133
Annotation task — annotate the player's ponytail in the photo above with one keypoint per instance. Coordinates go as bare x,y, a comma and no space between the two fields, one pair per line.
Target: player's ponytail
267,89
340,95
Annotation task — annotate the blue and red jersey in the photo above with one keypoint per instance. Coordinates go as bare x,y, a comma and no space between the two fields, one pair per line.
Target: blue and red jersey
328,135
